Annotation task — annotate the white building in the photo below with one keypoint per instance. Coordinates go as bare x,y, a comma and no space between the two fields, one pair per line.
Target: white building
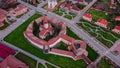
52,3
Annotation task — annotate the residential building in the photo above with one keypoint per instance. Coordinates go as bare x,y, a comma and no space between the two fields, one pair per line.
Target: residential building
117,18
87,17
102,22
116,29
20,9
12,62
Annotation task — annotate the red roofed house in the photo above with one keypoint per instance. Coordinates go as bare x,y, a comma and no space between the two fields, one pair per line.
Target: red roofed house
112,4
68,6
12,62
3,11
2,18
117,18
102,22
116,29
87,17
21,9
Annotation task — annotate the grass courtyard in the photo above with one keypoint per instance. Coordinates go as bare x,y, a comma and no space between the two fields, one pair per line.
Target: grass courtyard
98,15
106,37
17,38
64,13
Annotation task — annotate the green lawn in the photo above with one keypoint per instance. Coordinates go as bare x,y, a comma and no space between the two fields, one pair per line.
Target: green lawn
59,13
63,47
17,38
106,1
106,37
49,66
68,16
80,6
92,55
98,14
64,13
5,26
104,64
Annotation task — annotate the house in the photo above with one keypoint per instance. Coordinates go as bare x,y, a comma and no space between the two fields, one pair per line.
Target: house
2,17
102,22
112,4
116,29
68,6
87,17
12,62
20,9
3,11
117,18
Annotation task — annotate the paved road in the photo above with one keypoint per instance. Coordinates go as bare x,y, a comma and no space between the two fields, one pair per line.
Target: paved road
13,26
81,33
42,61
79,15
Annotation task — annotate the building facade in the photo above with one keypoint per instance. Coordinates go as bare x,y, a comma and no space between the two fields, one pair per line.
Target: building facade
52,3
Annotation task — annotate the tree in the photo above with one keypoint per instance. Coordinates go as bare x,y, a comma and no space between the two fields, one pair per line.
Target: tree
110,26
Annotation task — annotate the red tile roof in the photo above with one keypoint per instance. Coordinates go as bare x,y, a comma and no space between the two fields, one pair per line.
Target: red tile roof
87,15
117,18
45,20
68,5
3,11
12,62
68,53
68,38
2,16
103,21
43,32
19,7
70,47
117,27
